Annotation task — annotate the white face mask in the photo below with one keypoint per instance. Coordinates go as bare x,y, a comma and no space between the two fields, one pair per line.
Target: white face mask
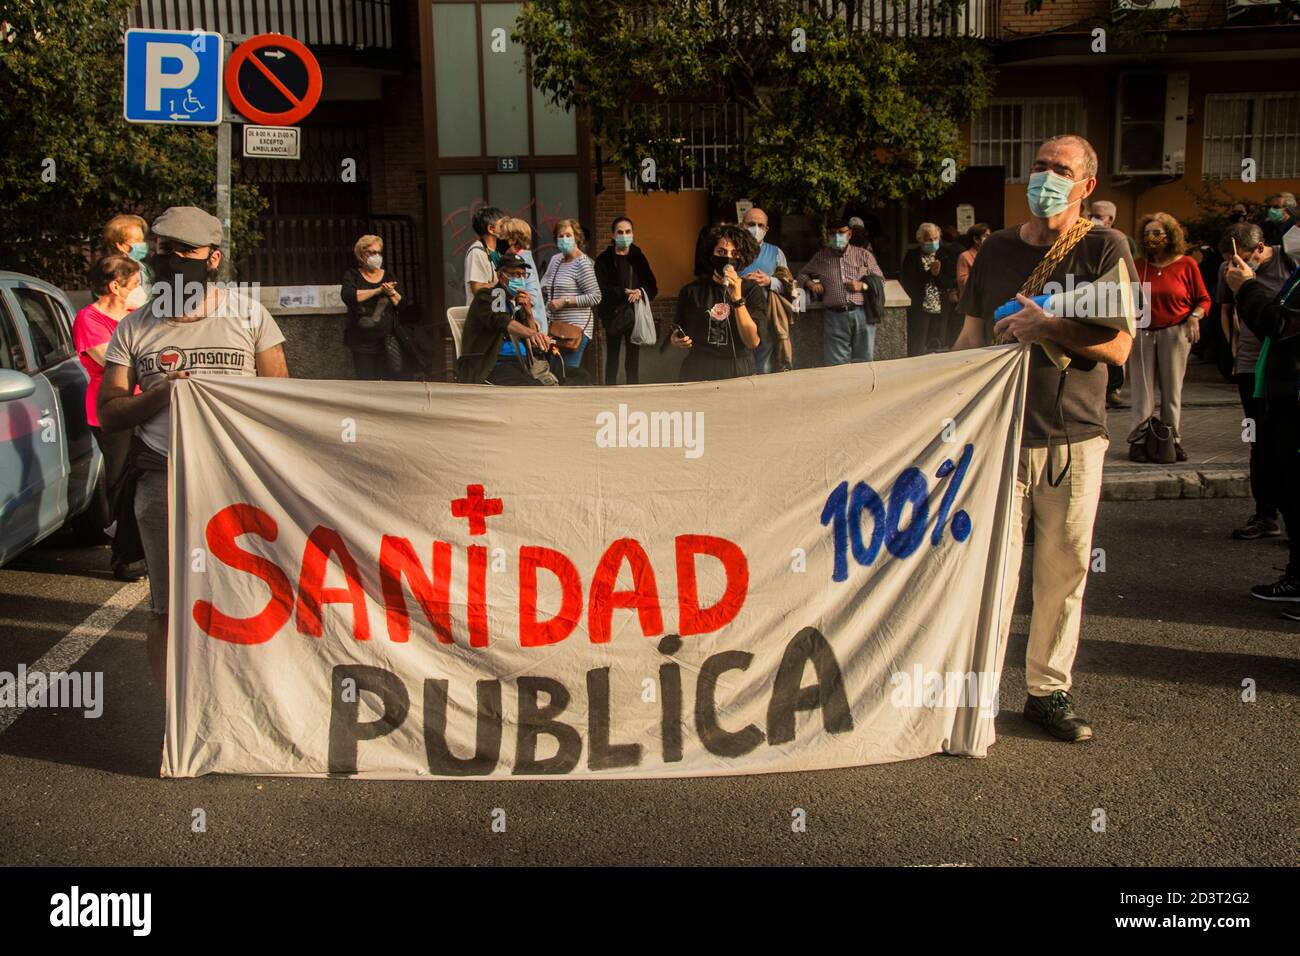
138,297
758,232
1098,221
1291,243
374,263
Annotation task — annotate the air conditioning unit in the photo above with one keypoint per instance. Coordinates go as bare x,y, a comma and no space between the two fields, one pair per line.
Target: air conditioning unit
1121,5
1151,124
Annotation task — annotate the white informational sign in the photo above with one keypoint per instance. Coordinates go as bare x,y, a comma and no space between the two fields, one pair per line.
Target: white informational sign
965,217
299,296
421,580
743,206
273,142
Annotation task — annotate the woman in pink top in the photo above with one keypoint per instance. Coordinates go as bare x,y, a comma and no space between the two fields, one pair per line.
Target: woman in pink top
116,281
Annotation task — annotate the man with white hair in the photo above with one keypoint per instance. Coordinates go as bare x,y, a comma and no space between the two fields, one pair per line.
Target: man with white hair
1063,441
1275,222
1103,215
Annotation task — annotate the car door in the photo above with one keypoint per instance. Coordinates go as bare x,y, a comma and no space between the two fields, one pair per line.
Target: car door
33,453
49,329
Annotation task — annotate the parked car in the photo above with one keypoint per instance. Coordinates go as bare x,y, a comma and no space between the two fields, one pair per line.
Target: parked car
50,465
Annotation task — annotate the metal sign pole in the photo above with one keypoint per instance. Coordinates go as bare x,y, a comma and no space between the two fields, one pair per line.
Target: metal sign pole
223,174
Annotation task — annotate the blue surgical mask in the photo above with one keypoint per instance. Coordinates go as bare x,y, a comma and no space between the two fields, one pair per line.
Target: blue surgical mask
139,250
565,244
930,246
839,240
516,285
622,241
1275,213
1049,194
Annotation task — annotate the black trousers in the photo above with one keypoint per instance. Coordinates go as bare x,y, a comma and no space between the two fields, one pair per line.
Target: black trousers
1289,488
632,364
114,446
377,366
1266,454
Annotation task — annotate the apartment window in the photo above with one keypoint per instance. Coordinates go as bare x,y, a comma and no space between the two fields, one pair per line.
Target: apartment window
1264,127
704,131
1008,132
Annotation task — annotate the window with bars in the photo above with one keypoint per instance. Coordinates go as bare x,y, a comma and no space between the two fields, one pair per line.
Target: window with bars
1008,132
704,132
1264,127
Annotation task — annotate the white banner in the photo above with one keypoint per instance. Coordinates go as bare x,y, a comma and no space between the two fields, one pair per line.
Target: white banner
404,580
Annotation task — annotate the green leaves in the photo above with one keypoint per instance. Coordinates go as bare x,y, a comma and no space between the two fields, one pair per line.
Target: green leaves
833,114
61,99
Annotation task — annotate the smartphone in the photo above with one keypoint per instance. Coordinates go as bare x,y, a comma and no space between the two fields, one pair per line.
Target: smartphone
668,340
1234,246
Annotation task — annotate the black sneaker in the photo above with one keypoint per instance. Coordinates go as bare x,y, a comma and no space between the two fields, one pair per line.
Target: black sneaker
1055,714
1257,527
1285,588
1292,614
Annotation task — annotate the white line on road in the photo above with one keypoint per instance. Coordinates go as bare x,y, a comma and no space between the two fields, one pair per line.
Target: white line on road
80,639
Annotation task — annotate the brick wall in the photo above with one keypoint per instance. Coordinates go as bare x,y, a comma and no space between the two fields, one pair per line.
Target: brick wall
1063,14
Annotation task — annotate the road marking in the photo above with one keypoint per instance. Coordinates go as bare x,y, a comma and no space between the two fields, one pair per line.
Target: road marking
80,639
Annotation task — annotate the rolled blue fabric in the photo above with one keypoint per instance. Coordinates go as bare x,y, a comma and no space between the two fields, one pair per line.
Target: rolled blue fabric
1012,306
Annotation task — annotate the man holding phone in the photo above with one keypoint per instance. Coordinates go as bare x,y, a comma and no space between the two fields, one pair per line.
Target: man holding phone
837,276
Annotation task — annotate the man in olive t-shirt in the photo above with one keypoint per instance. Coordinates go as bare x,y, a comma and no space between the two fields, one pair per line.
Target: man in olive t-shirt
1064,174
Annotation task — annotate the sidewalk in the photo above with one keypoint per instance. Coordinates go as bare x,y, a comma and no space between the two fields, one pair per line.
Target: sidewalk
1217,458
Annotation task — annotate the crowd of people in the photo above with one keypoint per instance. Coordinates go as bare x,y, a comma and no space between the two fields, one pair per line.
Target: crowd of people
526,326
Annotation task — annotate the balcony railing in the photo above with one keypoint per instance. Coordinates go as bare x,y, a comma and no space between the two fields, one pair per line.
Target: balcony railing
894,18
357,24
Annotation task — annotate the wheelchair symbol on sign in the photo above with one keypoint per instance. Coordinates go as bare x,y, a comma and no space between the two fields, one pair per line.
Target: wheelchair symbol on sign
190,105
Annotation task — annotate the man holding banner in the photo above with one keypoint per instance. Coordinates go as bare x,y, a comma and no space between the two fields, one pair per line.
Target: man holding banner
1064,441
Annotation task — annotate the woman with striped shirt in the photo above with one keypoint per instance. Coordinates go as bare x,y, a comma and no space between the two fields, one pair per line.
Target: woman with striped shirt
569,287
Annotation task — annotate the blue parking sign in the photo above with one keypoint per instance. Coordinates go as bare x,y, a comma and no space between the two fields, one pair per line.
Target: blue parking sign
172,76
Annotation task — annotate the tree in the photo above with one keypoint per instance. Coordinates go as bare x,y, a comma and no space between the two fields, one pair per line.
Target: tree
832,114
70,161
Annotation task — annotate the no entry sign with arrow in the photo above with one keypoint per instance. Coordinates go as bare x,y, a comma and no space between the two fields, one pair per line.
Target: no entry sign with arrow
273,80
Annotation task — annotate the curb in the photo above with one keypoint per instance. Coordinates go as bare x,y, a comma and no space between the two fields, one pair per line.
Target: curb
1137,482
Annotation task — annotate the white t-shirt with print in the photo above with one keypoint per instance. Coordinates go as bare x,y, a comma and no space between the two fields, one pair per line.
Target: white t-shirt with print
224,343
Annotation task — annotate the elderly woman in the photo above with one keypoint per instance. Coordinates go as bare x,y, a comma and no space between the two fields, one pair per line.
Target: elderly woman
115,281
371,295
1178,301
125,235
719,313
929,271
570,288
518,238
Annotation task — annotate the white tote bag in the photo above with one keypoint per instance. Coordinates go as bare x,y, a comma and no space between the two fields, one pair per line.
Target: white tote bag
643,328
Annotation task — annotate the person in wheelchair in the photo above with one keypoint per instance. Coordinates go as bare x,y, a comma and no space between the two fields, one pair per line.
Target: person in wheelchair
502,343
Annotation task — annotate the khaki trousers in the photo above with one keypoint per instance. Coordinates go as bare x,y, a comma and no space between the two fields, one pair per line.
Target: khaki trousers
1158,355
1062,552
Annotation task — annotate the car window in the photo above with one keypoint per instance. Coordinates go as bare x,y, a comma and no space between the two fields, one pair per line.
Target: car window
47,326
11,348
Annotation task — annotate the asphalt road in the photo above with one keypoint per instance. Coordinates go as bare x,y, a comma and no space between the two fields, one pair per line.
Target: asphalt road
1185,770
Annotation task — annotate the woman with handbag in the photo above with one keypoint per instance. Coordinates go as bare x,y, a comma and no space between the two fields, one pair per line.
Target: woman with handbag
571,292
1160,348
371,295
625,280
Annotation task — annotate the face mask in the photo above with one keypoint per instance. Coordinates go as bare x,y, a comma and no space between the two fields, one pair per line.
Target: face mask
839,240
1049,194
930,247
167,268
1275,214
516,285
720,263
1237,217
1291,242
139,250
623,242
374,263
136,298
758,232
1099,222
565,244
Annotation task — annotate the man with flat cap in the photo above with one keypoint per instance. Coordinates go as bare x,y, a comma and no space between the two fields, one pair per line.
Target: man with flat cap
191,326
501,339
